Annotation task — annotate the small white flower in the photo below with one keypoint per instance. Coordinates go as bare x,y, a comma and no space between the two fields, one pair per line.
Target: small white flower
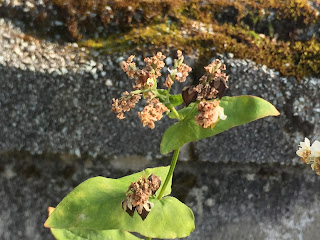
174,72
304,148
315,149
221,113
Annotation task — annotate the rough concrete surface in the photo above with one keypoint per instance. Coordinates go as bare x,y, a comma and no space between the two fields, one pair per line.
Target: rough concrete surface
57,130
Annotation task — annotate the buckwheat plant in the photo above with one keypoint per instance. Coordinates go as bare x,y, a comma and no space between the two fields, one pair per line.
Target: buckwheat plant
105,208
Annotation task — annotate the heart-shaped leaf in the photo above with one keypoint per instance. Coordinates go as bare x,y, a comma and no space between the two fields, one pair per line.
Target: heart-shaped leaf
88,234
96,204
239,110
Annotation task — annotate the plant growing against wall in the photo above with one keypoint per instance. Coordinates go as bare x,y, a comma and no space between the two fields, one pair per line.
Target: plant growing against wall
104,208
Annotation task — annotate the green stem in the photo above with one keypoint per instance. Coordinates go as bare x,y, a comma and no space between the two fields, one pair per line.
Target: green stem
140,91
148,238
165,100
170,173
174,111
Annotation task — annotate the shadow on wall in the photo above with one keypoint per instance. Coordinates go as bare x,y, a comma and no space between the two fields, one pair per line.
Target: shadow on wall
69,113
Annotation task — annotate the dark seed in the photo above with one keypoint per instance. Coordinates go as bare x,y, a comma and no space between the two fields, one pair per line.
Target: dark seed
189,95
130,212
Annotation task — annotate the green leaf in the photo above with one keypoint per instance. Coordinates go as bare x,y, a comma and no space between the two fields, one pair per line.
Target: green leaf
239,110
96,204
185,112
176,100
163,92
88,234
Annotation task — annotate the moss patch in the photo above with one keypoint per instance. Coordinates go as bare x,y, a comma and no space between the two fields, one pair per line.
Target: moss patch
263,31
297,59
277,33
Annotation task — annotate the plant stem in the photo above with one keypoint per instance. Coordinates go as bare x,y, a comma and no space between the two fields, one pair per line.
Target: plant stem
170,173
148,238
140,91
174,111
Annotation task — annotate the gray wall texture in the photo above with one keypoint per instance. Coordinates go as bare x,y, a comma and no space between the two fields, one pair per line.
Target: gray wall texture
57,129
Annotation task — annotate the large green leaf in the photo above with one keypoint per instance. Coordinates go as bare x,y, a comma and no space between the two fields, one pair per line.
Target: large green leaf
96,204
88,234
239,110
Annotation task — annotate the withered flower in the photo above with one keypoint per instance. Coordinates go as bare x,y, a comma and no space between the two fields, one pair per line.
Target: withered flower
152,112
168,83
142,77
138,194
184,70
213,83
155,63
129,67
209,113
126,102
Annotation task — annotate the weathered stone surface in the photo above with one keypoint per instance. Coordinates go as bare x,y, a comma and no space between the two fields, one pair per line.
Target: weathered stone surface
40,112
230,201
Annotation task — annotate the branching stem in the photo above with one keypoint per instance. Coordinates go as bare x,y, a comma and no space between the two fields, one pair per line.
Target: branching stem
174,111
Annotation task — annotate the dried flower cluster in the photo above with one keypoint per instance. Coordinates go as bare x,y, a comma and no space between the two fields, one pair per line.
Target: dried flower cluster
310,154
145,78
129,67
146,86
209,112
126,102
211,86
152,112
184,70
155,63
179,72
138,195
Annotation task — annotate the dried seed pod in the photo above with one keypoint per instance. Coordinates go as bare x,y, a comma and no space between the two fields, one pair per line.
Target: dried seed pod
128,207
220,84
189,95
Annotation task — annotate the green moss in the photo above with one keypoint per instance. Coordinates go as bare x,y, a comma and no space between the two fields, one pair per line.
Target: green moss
236,33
